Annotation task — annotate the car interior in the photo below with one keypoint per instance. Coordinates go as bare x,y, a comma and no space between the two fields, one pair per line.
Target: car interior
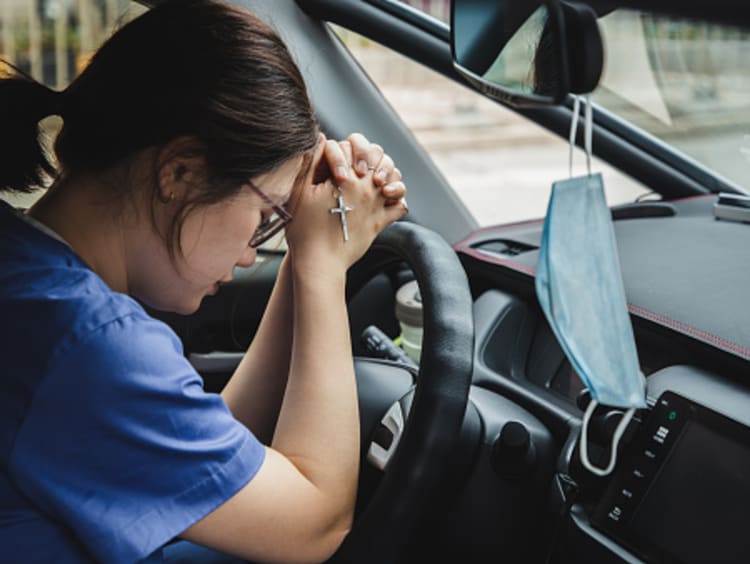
471,438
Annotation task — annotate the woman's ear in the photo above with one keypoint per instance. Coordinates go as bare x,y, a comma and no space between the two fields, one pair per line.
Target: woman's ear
180,166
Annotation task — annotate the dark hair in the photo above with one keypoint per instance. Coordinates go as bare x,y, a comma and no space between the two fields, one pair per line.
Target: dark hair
23,162
187,67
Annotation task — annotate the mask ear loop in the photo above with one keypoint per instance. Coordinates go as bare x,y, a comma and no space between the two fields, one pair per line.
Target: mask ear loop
573,131
619,432
587,131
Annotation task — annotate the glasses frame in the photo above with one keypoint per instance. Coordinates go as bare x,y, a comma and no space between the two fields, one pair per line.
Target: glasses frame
265,231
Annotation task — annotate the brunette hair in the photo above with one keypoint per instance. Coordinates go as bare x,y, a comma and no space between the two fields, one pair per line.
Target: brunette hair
187,67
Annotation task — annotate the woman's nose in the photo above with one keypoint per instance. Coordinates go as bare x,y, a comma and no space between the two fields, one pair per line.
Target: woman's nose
247,258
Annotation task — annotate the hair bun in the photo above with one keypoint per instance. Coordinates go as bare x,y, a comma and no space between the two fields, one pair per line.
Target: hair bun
29,99
23,103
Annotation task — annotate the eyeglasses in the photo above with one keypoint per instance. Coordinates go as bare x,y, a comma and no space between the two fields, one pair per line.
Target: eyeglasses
270,225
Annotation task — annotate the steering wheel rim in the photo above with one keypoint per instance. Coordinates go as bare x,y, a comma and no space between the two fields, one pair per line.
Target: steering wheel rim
430,437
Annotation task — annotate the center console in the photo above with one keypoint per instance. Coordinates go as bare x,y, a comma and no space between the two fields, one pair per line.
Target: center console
683,491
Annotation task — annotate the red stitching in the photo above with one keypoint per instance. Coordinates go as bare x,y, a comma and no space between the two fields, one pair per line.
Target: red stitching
678,326
492,228
530,270
689,198
690,330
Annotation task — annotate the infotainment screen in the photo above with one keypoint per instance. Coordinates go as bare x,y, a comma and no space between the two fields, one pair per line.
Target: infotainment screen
683,492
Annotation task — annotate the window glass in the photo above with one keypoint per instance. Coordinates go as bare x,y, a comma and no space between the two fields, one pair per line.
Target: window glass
500,164
687,83
52,40
440,9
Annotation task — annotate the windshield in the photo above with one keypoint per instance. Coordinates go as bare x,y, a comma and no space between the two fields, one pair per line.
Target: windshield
686,83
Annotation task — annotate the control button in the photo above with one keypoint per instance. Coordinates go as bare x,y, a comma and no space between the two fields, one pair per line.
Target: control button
672,415
650,454
661,435
386,437
383,437
615,514
626,493
513,452
638,474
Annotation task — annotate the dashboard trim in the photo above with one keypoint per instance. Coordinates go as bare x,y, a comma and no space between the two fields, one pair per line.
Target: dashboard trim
469,247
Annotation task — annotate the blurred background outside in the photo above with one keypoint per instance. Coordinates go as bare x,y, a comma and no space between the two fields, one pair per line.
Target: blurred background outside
687,83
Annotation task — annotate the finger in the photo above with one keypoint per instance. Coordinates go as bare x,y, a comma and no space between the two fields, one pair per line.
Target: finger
400,203
320,170
394,190
396,209
346,148
337,162
365,154
383,171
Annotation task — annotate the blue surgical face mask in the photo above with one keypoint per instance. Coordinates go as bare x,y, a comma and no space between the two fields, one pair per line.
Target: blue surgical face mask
580,290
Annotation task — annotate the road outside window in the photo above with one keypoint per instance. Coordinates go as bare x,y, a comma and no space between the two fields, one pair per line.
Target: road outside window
501,165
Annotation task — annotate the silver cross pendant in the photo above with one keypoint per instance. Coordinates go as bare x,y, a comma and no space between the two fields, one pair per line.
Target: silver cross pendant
342,209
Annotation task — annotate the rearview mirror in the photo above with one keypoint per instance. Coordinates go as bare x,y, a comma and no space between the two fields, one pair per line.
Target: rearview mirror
518,51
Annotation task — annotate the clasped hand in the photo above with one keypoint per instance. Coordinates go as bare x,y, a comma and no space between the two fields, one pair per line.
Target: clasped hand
369,183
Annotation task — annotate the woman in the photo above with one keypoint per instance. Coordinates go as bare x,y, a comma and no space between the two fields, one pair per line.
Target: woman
188,130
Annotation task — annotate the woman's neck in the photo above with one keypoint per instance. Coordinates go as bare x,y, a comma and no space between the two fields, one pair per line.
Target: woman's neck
90,220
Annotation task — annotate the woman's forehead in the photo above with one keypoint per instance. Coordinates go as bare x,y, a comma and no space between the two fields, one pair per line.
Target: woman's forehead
278,183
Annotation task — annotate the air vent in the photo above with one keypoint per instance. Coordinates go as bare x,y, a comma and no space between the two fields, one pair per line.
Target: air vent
504,247
640,210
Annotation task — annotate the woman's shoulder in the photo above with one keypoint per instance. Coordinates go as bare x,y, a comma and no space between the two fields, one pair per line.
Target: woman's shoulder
60,298
55,301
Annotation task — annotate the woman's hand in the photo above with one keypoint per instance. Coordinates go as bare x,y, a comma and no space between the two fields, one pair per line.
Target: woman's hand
366,158
316,236
369,158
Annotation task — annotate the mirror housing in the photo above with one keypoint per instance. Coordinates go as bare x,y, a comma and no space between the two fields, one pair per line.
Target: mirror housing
520,51
585,48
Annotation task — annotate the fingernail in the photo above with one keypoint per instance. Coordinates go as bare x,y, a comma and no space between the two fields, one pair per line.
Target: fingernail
342,172
404,204
362,167
380,175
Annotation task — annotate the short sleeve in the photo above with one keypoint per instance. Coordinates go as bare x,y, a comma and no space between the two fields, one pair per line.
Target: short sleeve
122,445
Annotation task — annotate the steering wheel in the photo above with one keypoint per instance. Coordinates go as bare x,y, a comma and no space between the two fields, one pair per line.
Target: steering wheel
417,470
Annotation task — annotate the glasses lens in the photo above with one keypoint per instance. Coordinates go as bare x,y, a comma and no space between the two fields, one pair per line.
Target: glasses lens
269,227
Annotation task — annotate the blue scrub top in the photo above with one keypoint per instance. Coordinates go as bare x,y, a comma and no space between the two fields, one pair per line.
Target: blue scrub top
109,447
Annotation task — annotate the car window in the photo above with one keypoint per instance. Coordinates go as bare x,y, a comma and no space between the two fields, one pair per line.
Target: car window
685,82
439,9
52,42
500,164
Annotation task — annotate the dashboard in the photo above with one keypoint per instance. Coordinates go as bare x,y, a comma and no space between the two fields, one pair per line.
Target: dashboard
681,485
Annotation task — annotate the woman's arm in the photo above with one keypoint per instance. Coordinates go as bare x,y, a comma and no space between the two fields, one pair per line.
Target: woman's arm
255,391
300,504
